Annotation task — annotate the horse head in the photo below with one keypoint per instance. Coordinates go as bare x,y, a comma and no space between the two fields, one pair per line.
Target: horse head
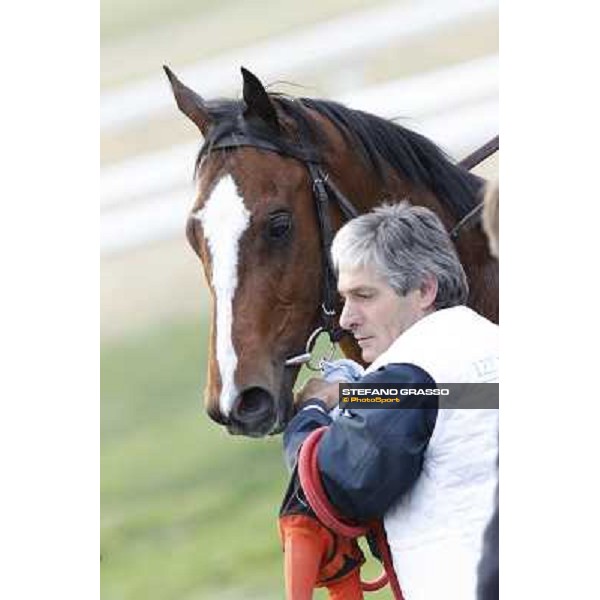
253,226
257,226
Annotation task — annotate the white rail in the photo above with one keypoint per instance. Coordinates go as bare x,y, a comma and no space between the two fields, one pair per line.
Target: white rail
321,45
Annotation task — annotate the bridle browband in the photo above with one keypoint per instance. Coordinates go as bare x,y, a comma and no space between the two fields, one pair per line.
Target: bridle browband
324,192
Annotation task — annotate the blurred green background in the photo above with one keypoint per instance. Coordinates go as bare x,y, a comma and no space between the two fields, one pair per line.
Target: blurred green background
187,510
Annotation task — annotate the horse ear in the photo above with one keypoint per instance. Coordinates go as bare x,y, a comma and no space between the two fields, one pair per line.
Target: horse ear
258,103
189,103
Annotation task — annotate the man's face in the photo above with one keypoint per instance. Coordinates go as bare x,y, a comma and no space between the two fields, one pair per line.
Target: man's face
374,313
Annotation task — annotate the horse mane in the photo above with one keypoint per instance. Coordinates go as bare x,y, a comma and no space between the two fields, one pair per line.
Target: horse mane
380,143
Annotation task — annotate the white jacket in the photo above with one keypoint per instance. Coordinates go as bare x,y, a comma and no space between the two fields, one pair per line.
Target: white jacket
435,530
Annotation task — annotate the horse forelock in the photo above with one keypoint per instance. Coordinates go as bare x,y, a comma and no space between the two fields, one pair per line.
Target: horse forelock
224,218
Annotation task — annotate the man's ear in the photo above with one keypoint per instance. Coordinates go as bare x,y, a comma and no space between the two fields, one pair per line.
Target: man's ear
428,291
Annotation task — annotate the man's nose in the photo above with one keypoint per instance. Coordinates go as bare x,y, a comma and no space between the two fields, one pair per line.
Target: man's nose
348,317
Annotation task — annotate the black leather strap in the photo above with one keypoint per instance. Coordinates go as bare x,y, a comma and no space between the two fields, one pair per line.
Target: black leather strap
470,162
328,311
236,140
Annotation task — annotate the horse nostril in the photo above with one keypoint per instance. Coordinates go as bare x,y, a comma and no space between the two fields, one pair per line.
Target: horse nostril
254,412
252,403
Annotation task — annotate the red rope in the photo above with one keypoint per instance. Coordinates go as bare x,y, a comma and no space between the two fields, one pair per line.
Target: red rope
310,480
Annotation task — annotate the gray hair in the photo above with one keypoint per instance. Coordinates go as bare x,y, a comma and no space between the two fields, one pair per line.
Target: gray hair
404,244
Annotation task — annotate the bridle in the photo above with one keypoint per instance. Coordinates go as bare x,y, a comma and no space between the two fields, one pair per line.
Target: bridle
325,193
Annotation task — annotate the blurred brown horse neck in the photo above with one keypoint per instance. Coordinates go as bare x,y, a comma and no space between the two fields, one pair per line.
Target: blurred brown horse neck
256,228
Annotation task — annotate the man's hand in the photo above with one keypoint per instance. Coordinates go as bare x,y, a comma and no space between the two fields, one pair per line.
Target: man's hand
321,389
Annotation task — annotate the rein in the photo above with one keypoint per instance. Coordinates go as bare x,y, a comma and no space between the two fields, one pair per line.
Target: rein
308,473
470,162
324,193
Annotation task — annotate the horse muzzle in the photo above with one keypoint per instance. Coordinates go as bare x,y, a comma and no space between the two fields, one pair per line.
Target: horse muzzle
254,413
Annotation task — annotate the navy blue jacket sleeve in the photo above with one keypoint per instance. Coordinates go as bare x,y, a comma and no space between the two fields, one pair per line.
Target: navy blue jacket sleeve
311,417
369,457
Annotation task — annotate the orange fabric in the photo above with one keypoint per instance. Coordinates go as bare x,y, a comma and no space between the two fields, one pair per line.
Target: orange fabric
308,473
315,557
348,588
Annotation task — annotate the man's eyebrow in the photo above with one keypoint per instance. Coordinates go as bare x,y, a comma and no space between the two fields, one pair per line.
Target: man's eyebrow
356,289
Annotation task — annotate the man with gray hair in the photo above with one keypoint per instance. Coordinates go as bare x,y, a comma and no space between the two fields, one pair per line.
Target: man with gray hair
430,473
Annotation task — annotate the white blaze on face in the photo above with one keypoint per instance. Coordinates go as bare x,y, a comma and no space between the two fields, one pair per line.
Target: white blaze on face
224,219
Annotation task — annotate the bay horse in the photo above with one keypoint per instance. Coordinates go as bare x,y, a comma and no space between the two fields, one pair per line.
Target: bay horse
276,177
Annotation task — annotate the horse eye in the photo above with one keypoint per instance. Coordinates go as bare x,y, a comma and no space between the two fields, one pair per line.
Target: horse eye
279,225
